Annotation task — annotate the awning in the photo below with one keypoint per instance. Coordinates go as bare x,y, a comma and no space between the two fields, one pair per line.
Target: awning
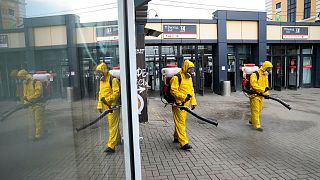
152,32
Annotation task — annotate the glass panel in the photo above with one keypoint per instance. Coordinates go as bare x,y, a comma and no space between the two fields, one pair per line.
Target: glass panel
278,72
170,54
292,50
307,69
152,64
307,51
292,72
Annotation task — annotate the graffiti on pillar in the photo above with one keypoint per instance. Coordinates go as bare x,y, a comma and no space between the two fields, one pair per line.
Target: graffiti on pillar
142,83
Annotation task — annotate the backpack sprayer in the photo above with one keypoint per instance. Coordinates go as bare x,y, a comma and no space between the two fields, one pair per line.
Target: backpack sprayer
248,70
45,79
168,73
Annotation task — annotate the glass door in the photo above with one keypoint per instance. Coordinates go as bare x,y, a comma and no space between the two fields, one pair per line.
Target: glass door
279,71
306,70
232,66
292,66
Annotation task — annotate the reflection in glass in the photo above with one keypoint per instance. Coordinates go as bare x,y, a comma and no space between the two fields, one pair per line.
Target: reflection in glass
41,108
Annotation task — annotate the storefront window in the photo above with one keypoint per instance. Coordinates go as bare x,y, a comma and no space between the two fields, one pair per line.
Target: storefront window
292,50
307,50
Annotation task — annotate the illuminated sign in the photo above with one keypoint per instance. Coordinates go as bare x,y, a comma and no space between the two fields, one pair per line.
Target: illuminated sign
295,33
107,33
180,31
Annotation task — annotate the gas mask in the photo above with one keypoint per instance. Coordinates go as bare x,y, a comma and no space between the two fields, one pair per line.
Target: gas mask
100,76
190,72
268,71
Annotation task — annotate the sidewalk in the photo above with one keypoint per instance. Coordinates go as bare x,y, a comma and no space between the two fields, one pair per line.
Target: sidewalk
288,148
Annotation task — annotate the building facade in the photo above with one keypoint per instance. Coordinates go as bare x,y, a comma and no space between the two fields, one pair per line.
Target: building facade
293,10
12,13
219,47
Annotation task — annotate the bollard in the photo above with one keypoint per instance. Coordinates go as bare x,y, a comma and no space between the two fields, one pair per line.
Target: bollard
225,88
69,94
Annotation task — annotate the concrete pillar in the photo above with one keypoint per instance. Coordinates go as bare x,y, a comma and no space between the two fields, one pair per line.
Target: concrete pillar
142,76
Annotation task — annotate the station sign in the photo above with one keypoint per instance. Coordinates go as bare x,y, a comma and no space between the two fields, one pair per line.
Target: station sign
295,33
180,31
3,41
107,33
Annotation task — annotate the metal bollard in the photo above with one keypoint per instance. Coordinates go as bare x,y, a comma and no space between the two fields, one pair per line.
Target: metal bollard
69,94
225,88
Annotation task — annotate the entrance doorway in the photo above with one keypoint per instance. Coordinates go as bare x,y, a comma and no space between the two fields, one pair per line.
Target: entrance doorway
238,55
292,66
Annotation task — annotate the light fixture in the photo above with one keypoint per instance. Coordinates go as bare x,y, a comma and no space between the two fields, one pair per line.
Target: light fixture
156,15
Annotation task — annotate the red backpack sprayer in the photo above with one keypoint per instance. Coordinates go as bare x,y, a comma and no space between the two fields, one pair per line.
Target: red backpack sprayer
249,69
167,73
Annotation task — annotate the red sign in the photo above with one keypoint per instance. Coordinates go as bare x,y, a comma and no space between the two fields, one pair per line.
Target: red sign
307,66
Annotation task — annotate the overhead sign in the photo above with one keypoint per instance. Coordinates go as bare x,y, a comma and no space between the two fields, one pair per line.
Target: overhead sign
295,33
180,31
107,33
3,41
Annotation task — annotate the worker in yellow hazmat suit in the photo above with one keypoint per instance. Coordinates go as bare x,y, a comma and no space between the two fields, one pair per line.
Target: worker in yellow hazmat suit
109,95
259,84
32,91
184,96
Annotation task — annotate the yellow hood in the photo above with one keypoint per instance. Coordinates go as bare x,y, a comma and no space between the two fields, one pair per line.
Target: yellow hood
266,65
103,68
186,65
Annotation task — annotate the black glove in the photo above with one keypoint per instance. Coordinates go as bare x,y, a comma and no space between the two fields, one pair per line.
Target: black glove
104,101
188,98
266,89
266,97
193,107
100,110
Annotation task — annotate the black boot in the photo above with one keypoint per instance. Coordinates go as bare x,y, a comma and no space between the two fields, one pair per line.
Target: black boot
186,147
109,150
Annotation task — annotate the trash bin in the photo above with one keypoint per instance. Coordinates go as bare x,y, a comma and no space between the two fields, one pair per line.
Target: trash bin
225,88
69,94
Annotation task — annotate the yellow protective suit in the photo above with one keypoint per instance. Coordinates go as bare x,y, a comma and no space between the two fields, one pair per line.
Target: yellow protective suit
256,102
33,90
180,94
18,84
112,96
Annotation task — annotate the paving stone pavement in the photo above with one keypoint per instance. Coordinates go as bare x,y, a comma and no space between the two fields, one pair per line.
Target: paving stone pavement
288,148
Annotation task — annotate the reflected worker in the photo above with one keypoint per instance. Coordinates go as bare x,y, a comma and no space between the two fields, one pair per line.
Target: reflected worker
109,96
33,91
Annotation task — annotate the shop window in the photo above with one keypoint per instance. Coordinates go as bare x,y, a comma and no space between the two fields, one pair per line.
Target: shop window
278,7
11,12
307,51
291,10
292,50
307,8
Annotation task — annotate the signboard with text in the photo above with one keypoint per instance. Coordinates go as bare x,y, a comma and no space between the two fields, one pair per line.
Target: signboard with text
295,33
180,31
107,33
3,41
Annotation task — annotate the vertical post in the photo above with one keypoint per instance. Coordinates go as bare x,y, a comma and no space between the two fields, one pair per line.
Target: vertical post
220,66
72,51
262,36
316,65
160,68
141,73
29,40
129,98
